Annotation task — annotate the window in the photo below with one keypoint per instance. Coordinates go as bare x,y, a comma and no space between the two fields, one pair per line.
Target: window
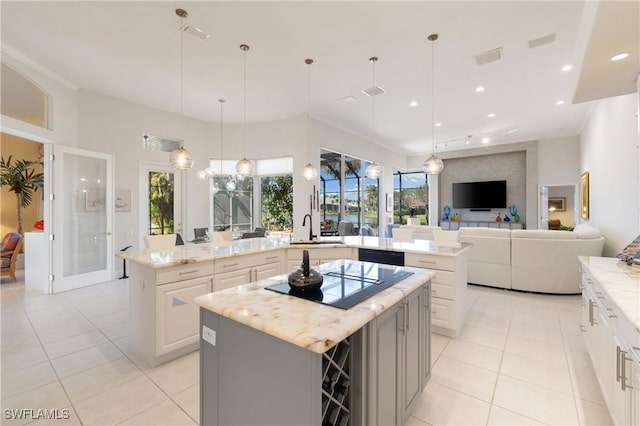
161,196
356,201
272,196
410,194
22,99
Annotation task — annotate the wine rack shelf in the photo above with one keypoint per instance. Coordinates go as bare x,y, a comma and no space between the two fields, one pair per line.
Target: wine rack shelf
336,367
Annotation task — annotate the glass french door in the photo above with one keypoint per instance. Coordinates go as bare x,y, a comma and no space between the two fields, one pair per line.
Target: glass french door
82,218
543,205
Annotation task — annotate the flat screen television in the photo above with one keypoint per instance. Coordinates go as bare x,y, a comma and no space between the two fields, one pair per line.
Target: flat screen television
480,195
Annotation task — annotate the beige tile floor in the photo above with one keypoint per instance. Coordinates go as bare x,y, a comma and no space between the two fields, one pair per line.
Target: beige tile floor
519,361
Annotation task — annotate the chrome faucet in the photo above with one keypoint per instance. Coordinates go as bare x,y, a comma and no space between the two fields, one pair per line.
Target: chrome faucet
304,223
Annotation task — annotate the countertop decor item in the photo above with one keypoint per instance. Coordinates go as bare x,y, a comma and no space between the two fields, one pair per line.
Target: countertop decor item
305,278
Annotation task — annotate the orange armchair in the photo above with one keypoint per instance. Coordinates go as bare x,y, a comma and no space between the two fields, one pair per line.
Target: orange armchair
11,246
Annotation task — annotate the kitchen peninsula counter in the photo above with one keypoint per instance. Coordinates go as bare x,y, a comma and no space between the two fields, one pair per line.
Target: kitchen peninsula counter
163,284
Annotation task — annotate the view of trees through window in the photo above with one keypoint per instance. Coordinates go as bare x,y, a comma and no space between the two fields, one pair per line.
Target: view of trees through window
360,193
160,203
277,202
410,192
232,210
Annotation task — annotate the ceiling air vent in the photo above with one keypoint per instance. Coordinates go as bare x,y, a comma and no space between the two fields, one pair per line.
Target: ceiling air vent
373,91
542,40
157,143
489,56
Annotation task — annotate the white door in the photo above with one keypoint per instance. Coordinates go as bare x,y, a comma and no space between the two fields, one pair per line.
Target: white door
82,218
151,222
543,207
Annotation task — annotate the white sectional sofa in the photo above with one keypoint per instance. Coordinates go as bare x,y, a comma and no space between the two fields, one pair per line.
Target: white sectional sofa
421,232
530,260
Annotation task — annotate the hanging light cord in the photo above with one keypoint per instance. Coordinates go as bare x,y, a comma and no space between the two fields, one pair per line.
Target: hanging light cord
433,96
221,108
244,100
181,79
373,99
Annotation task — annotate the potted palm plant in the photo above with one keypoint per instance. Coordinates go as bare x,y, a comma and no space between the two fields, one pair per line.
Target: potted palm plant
21,177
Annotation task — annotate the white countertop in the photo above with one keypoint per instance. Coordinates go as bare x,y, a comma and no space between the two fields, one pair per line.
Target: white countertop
621,283
310,325
192,253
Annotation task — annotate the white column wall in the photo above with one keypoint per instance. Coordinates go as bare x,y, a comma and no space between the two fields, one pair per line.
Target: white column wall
609,152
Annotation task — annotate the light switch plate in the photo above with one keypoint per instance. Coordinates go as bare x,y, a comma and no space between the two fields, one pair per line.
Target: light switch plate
208,335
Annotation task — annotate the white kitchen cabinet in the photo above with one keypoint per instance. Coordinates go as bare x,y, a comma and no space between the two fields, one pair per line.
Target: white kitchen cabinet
243,269
177,315
163,319
399,353
614,359
317,256
448,290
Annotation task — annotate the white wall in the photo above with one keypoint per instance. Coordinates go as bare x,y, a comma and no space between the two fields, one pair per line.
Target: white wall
559,161
62,126
609,152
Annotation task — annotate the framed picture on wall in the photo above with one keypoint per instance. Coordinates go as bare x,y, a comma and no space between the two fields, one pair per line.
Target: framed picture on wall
584,195
557,204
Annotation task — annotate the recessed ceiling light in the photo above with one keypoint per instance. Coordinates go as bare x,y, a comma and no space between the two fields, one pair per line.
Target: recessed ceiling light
438,124
486,140
619,56
348,99
491,115
480,89
566,68
413,104
560,102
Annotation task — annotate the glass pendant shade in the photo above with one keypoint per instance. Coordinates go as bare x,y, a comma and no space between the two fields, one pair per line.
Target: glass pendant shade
309,172
230,185
244,167
181,159
433,165
202,174
215,188
374,170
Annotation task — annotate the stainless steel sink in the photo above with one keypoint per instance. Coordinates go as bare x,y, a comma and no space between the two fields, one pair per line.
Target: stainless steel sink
313,242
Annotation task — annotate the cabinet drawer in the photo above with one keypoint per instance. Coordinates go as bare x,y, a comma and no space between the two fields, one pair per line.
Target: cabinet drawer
443,277
246,261
443,291
429,261
442,312
184,272
324,254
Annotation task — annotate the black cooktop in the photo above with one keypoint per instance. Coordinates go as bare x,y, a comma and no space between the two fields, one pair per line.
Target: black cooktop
349,284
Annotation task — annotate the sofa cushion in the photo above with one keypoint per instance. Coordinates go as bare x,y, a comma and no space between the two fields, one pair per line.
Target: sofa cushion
485,232
586,232
543,234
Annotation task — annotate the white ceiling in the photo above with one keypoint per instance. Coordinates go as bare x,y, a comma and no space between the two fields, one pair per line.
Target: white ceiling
131,50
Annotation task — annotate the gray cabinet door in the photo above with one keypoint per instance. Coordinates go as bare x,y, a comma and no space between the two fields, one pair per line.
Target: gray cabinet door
412,353
386,353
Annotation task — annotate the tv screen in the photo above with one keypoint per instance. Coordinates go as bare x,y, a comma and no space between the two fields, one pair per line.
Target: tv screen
480,195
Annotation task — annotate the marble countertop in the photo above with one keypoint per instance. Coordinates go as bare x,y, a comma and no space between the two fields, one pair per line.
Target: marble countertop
192,253
621,283
310,325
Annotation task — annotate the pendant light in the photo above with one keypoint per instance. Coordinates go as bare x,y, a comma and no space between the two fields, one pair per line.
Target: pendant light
433,165
181,159
309,172
244,167
373,170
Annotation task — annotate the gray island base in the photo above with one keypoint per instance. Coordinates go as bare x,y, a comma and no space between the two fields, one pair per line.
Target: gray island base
273,359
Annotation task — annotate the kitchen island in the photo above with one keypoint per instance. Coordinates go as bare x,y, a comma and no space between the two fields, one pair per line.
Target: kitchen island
300,362
163,284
